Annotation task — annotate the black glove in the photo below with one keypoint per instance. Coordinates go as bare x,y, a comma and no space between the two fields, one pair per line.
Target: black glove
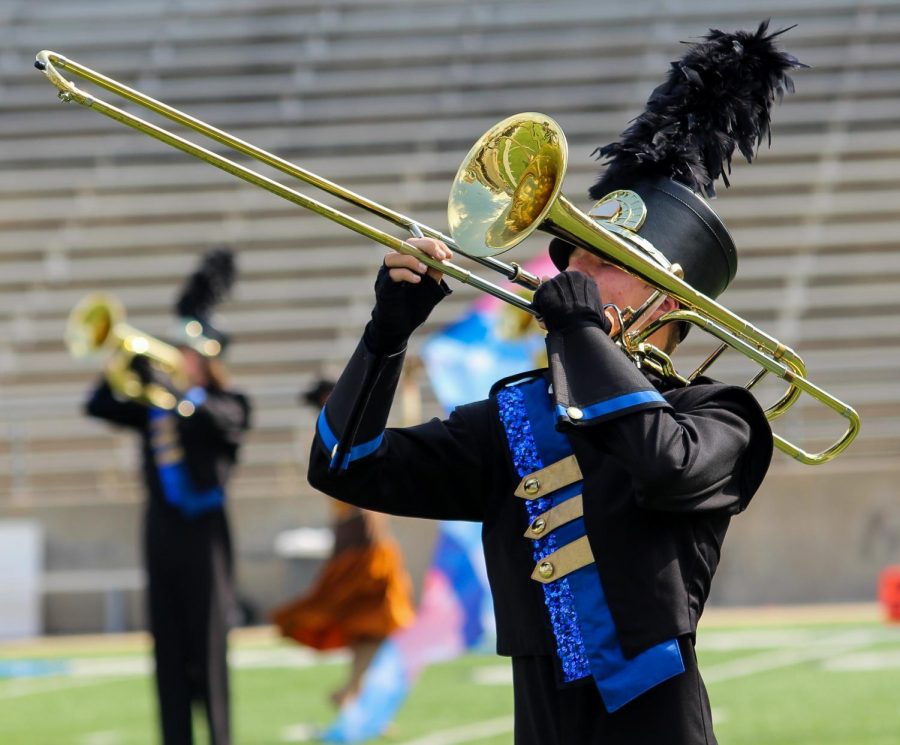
570,300
148,374
141,367
400,308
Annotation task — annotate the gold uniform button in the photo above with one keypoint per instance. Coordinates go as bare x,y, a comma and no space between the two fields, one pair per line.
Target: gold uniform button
545,569
538,526
574,413
532,486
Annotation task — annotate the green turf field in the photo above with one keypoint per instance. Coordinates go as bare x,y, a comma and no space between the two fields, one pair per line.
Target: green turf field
770,685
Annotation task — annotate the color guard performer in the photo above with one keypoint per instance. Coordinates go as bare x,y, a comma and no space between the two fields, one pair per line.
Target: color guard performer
360,596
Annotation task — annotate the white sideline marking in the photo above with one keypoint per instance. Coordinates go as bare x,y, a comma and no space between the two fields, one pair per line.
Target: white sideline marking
30,686
97,670
101,738
493,675
243,659
467,733
865,661
299,733
727,641
838,644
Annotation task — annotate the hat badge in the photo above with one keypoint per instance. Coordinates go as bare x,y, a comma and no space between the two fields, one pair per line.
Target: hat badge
624,208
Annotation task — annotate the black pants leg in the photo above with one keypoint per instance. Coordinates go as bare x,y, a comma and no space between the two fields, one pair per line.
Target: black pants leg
170,655
675,712
211,647
190,599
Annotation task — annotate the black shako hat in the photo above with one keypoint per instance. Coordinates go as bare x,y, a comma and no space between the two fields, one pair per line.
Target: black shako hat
715,99
208,286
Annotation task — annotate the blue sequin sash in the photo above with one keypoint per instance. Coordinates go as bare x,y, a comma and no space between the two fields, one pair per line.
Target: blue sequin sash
557,595
585,633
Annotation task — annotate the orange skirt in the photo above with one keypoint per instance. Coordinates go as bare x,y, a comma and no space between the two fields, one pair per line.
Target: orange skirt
360,594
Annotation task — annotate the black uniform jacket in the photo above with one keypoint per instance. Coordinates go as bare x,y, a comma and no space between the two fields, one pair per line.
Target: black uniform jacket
662,478
210,437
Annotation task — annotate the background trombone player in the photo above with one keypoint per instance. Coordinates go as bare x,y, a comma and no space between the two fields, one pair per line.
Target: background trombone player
605,491
190,426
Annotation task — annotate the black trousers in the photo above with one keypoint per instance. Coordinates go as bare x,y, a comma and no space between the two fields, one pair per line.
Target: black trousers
190,599
675,712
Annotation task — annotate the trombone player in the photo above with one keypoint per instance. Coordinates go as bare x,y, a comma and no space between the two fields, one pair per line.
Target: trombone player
191,426
605,491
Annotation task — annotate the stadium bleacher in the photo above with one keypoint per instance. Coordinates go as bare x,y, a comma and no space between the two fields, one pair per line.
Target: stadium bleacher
385,97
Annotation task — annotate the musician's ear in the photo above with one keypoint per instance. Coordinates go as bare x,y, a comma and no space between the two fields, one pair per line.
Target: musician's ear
677,331
669,304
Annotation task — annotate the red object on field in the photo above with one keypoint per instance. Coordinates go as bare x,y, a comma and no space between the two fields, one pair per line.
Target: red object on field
889,592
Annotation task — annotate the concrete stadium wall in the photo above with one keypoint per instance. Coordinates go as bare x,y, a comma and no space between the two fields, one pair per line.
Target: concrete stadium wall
811,538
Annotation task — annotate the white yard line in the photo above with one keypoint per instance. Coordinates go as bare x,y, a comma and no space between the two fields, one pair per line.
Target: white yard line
101,738
84,672
865,661
833,646
467,733
299,733
30,686
493,675
726,641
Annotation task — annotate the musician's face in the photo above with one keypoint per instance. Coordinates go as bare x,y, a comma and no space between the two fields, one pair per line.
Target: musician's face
622,290
195,368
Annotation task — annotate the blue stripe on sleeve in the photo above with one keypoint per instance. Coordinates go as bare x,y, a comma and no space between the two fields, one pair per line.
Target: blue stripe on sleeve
612,405
330,440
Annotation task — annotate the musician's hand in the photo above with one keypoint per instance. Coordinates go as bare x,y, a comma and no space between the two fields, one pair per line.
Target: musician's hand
141,367
570,300
404,268
149,374
406,291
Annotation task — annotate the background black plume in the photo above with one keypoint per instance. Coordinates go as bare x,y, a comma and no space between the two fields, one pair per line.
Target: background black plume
715,99
209,285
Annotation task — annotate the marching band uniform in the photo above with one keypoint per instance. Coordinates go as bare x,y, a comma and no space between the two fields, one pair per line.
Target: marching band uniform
605,493
186,464
642,510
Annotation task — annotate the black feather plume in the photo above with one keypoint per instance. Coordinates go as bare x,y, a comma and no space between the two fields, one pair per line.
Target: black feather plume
208,286
715,99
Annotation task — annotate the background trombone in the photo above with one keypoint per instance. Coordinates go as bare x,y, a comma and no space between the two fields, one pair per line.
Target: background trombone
136,359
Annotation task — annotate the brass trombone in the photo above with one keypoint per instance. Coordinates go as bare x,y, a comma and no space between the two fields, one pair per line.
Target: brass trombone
96,323
507,187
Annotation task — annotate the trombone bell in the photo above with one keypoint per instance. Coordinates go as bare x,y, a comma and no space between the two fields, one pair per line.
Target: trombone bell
91,323
97,322
507,184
